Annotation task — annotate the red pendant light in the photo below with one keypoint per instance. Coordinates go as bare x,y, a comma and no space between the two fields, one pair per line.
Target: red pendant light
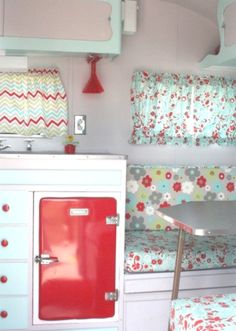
93,85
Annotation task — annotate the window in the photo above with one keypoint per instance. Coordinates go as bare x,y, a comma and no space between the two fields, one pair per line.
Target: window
33,103
181,109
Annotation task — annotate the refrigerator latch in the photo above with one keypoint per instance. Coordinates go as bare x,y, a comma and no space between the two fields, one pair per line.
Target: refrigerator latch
111,296
45,259
113,220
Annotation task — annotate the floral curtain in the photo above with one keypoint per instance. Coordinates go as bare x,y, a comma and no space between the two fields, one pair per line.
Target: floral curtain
181,109
33,103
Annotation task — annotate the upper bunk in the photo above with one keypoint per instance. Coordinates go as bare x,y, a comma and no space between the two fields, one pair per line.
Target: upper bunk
226,53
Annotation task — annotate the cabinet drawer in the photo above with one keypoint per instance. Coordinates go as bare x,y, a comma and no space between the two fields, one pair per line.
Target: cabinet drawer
13,278
17,313
14,242
14,207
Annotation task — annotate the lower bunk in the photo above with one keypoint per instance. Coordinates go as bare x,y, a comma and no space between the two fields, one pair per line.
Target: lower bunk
209,268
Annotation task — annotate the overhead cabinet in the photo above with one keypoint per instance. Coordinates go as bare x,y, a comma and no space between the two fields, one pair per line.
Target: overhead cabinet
61,26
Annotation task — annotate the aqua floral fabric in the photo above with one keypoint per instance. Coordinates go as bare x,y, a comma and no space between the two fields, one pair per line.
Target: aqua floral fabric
155,251
181,109
212,313
150,187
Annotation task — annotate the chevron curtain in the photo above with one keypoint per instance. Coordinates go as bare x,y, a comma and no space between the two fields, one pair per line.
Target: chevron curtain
33,103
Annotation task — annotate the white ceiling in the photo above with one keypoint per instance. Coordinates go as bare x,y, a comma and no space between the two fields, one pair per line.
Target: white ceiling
206,8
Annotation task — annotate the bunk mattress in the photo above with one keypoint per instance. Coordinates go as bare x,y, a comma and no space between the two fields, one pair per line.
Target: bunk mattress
155,251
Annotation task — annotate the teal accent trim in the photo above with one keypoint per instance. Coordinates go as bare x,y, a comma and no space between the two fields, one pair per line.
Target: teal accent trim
227,55
73,47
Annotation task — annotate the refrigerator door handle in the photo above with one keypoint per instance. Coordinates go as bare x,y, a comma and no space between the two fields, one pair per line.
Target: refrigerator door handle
45,259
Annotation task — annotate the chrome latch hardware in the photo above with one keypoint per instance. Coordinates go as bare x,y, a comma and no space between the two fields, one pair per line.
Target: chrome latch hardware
111,296
45,259
113,220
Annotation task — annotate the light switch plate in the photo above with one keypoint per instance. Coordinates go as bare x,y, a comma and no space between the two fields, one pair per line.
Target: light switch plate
80,124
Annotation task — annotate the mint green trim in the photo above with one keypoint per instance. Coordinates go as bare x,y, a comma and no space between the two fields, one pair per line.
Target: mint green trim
17,45
227,55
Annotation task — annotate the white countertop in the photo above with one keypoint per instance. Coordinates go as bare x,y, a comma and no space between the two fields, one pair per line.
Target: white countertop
61,156
55,160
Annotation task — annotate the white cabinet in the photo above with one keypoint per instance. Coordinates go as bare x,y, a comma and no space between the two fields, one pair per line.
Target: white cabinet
61,26
24,181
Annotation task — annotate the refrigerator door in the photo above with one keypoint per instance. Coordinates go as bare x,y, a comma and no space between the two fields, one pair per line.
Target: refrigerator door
77,258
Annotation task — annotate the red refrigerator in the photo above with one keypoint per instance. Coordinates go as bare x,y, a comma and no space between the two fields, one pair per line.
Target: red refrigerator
77,249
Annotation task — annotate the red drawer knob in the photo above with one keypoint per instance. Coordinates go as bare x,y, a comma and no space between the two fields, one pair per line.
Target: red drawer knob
3,279
5,207
4,314
4,243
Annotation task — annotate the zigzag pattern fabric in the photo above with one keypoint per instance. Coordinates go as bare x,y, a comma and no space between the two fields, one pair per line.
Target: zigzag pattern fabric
33,103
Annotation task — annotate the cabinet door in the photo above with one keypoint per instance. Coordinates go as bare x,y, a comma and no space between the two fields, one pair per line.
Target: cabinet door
80,248
58,19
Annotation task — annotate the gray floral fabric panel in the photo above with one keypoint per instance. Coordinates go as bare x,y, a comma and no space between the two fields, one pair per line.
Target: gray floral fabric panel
152,187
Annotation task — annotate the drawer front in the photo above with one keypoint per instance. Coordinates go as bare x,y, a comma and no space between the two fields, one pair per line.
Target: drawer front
14,242
13,278
86,177
17,313
14,207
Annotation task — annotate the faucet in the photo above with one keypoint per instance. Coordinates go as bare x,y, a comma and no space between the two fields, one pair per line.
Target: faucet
29,144
2,146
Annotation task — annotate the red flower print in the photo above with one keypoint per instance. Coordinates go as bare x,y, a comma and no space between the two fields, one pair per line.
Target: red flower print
147,181
230,187
168,175
136,266
127,216
177,187
140,206
221,175
168,228
159,261
201,181
165,204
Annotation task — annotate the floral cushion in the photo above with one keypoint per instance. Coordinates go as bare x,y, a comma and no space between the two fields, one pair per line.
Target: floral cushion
155,251
212,313
152,187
